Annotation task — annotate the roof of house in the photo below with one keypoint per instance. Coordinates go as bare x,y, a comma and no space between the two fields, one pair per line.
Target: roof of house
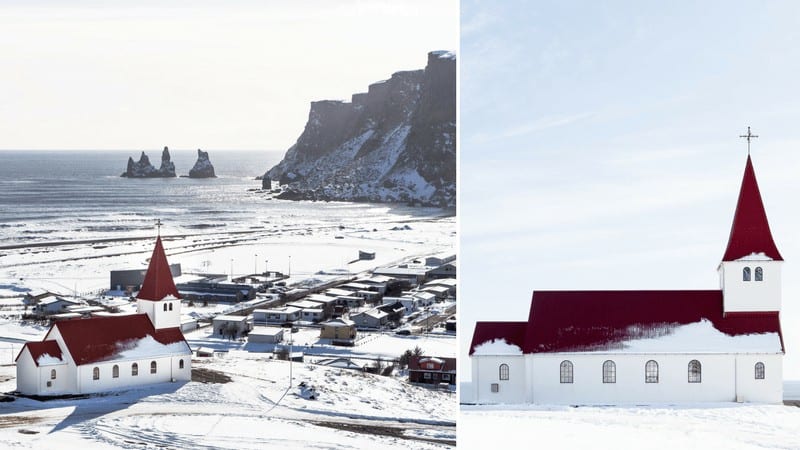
584,321
40,349
448,364
103,338
158,282
750,231
338,323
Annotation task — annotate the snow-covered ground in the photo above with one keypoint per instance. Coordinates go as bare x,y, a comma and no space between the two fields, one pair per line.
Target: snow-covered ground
723,426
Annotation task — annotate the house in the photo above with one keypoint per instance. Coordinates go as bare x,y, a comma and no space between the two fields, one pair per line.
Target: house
376,283
265,335
326,302
54,305
440,259
413,274
634,347
448,270
396,311
276,315
217,292
432,370
131,280
231,326
372,318
310,311
440,292
350,301
449,283
97,354
339,331
411,304
424,298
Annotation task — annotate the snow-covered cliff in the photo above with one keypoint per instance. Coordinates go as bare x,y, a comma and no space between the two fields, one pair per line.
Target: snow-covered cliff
394,143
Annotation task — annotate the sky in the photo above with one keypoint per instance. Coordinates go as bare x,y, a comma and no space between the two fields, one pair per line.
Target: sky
198,74
600,149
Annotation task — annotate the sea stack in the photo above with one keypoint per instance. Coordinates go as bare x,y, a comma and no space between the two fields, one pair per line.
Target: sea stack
202,168
143,168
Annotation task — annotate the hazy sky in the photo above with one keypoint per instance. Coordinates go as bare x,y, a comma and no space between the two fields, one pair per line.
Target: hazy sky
599,147
189,74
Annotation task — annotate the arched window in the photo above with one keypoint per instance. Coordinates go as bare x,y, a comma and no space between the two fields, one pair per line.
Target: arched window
153,367
134,369
759,274
746,274
165,306
759,371
96,373
115,371
503,371
53,374
651,372
170,305
180,364
695,371
566,372
609,372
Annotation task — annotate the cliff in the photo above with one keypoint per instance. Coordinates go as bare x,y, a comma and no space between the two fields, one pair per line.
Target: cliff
394,143
202,168
143,168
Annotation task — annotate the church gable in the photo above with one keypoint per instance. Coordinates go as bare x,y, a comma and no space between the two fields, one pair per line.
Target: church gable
158,283
43,353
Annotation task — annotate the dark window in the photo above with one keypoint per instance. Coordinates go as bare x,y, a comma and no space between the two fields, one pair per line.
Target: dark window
153,367
695,371
170,306
495,387
115,371
503,371
96,373
426,375
759,274
446,376
651,372
165,306
759,371
609,372
566,371
180,364
746,274
134,369
53,374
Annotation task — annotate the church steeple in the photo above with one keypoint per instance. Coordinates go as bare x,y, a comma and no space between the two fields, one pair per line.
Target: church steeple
750,231
158,297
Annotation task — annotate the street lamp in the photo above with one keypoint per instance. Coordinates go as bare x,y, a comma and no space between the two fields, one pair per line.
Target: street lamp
231,269
266,268
255,264
290,265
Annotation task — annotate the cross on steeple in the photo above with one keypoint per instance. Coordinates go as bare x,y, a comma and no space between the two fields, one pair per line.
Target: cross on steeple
158,225
749,135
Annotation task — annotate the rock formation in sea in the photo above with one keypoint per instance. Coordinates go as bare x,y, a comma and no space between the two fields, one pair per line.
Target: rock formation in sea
202,168
394,143
143,168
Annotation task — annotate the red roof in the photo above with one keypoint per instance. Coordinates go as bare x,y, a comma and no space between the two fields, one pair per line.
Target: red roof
447,364
579,321
158,281
101,338
750,231
38,349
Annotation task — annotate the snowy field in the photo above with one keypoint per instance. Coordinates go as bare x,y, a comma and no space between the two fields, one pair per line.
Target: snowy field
722,426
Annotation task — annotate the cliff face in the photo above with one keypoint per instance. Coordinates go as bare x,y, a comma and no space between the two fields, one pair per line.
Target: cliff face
143,168
202,168
394,143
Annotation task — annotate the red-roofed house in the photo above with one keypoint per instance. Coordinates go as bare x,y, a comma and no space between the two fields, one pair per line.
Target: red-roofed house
110,353
617,347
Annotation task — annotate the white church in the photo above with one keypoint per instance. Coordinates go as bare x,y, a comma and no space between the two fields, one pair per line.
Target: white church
98,354
633,347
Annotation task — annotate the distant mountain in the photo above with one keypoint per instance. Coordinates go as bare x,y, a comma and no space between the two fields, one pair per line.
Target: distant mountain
394,143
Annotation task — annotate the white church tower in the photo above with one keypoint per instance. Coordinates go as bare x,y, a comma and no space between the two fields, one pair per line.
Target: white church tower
750,271
158,297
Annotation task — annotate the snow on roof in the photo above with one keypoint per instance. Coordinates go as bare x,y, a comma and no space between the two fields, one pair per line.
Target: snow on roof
147,347
227,318
702,337
158,283
45,351
497,347
760,256
49,301
279,310
340,322
47,360
266,331
305,304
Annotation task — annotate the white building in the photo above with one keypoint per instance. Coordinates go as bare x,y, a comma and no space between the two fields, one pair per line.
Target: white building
113,352
276,315
617,347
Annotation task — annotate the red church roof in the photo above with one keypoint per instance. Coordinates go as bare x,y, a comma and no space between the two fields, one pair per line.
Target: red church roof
750,231
101,338
39,349
158,282
580,321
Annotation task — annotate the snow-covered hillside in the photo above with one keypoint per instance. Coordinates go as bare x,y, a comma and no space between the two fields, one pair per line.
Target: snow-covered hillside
395,143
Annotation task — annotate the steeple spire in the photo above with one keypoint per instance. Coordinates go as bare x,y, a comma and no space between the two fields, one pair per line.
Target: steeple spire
158,282
750,231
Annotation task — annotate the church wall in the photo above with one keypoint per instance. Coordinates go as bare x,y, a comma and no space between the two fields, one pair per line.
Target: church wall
768,390
717,379
486,371
743,296
27,373
165,373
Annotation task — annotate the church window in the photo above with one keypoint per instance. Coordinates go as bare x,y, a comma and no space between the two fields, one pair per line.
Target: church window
609,372
165,306
651,372
53,374
180,364
759,371
134,369
170,305
115,371
495,388
503,371
695,371
153,367
96,373
746,274
566,372
759,274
